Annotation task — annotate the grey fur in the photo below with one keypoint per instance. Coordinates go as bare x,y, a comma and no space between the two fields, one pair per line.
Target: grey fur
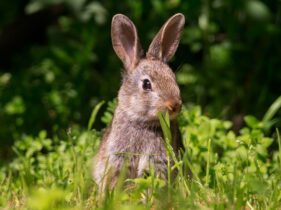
135,127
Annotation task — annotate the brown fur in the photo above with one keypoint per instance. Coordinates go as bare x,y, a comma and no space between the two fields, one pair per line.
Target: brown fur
135,127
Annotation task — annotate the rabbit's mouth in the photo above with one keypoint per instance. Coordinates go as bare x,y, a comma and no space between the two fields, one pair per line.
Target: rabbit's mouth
173,115
174,107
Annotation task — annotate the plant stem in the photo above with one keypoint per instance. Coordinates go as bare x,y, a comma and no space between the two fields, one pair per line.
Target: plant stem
208,163
279,144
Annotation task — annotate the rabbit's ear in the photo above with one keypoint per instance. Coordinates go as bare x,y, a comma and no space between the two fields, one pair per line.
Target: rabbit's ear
125,41
166,42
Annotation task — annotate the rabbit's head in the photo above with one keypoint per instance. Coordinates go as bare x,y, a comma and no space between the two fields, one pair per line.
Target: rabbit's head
148,85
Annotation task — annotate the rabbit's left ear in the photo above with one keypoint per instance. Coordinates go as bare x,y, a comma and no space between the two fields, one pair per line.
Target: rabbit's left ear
166,42
125,41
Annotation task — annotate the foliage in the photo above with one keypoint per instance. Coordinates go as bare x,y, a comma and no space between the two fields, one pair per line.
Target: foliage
54,173
229,57
51,78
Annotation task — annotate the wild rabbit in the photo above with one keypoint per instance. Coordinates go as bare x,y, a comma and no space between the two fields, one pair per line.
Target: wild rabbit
148,85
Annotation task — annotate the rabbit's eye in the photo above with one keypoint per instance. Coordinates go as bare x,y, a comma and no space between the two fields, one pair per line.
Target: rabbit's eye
146,84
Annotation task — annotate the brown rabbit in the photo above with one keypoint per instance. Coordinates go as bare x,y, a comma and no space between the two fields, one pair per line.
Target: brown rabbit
148,85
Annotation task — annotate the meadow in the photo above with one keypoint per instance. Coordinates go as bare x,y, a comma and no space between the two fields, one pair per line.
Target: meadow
229,171
57,66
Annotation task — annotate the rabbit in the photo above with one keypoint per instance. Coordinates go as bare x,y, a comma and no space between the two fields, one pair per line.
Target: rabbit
148,85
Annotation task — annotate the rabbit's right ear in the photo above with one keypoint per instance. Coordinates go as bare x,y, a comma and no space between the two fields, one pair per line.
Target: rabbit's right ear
166,42
125,41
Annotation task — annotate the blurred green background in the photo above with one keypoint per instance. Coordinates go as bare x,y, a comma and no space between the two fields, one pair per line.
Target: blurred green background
57,61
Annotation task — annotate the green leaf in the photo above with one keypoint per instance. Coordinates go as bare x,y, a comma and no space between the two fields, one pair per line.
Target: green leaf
257,10
15,106
252,122
108,114
261,150
266,141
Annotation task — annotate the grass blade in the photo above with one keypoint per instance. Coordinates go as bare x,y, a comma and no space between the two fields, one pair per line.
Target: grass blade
208,163
279,144
167,118
272,110
165,126
94,114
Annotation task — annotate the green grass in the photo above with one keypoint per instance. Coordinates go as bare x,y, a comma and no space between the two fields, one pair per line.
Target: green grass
229,171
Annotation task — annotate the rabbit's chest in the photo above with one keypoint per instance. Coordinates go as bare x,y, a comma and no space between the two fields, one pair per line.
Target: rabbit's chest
139,148
136,142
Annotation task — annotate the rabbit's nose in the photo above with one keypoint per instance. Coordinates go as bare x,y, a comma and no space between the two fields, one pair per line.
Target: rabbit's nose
173,105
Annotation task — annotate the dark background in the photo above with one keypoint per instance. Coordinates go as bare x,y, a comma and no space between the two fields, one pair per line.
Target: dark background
57,61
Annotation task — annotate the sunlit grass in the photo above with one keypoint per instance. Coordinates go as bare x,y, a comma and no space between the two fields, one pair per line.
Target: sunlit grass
229,171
